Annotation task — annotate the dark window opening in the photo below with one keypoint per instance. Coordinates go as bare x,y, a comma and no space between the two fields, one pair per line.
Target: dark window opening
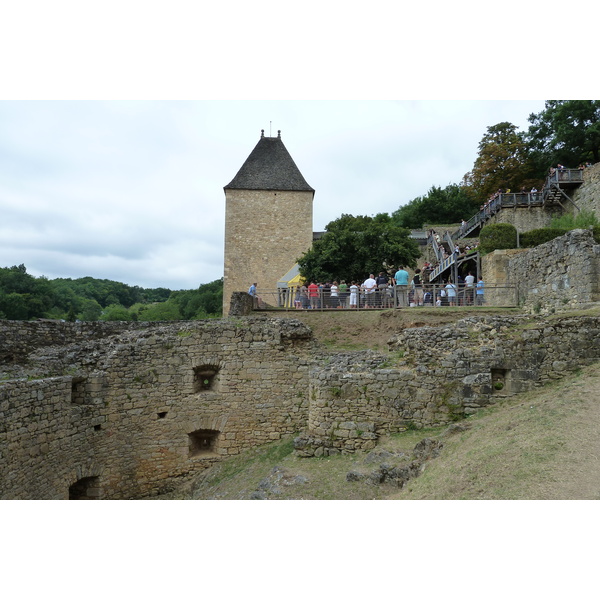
97,427
87,488
203,442
78,390
499,379
162,415
205,378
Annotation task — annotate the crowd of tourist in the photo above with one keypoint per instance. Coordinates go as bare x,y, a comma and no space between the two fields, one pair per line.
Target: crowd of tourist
388,290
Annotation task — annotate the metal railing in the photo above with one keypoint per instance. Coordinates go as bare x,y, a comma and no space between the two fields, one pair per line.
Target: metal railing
560,178
430,295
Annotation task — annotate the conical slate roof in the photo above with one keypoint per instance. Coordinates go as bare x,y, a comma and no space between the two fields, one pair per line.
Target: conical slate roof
269,167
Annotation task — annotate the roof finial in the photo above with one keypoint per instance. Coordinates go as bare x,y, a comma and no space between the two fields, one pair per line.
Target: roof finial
279,133
262,133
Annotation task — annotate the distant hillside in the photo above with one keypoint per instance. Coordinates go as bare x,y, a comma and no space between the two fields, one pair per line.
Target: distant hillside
24,297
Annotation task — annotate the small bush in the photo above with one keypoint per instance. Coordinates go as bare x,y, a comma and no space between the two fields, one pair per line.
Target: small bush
535,237
499,236
582,220
596,231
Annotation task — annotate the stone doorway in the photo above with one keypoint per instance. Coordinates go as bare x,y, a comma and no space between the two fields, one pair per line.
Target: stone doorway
87,488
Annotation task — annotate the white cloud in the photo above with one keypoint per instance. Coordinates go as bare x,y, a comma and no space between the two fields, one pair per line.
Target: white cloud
133,191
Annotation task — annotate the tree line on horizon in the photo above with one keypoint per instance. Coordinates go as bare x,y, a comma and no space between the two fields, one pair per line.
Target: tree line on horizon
25,297
565,132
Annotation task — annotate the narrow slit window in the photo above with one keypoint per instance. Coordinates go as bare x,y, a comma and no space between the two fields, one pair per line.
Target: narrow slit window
78,390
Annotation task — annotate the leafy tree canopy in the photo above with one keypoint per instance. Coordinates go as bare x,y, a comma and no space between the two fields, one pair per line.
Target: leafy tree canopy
116,312
503,162
352,247
565,132
448,205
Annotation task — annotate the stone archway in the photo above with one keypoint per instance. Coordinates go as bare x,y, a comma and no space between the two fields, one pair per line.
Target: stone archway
86,488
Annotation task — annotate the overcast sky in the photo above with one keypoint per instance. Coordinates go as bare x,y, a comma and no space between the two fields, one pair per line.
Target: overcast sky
133,190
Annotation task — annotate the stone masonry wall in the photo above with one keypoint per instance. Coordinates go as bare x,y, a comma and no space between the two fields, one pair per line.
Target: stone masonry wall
526,218
561,274
587,196
19,338
141,409
265,233
445,374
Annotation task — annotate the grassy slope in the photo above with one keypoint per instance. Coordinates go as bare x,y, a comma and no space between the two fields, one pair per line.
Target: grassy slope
539,445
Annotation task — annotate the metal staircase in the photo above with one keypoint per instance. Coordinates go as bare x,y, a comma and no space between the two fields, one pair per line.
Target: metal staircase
554,192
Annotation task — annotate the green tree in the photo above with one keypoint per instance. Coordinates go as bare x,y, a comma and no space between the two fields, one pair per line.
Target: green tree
23,296
91,310
503,162
448,205
116,312
352,247
160,311
205,302
497,236
565,132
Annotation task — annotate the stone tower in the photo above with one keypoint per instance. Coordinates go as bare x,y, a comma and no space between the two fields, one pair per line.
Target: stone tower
268,220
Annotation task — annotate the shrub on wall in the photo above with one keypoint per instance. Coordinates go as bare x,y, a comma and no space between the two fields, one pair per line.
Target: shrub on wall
596,232
535,237
499,236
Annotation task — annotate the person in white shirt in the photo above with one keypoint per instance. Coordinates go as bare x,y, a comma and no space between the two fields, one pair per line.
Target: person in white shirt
451,293
370,286
469,284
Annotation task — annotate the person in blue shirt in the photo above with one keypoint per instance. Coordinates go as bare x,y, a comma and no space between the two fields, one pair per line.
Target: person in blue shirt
479,292
252,292
401,278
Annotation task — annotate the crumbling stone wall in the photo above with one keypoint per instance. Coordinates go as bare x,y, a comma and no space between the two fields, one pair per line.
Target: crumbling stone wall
132,414
444,374
563,273
587,196
140,409
19,338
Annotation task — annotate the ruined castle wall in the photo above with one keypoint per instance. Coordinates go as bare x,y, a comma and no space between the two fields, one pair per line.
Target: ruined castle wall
356,398
560,274
445,373
519,352
46,442
587,196
131,412
19,338
134,410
